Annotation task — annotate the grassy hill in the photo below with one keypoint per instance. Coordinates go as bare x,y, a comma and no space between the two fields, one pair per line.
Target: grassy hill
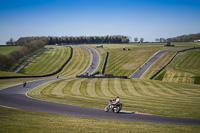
7,49
142,95
184,69
48,62
79,63
123,62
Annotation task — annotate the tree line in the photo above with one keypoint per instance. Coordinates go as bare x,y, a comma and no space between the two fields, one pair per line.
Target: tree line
9,61
185,38
75,40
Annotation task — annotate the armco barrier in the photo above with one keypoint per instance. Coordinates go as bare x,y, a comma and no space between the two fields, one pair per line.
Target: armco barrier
60,69
105,62
171,61
101,76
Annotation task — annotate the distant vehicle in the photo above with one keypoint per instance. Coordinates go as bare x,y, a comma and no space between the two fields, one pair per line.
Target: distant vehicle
99,46
168,45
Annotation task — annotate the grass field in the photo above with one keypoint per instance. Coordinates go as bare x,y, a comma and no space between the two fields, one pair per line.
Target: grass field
8,49
18,121
141,95
184,69
156,97
48,62
124,63
79,63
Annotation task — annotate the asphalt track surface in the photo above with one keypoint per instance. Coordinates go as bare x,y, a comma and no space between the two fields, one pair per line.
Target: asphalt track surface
95,61
16,97
141,70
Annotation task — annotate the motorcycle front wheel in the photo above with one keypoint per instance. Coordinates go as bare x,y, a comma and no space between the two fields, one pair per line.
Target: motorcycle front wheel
106,109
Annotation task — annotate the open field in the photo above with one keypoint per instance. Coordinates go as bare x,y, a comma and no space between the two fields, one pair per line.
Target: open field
8,49
27,121
158,98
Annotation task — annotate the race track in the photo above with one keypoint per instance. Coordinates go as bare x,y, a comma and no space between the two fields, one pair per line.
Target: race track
141,70
15,97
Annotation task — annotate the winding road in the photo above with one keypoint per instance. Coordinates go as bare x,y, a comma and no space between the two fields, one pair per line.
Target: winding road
16,97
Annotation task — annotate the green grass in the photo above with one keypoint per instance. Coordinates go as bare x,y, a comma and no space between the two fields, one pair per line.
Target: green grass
79,63
189,62
162,61
7,74
8,49
183,69
158,98
17,121
124,63
48,62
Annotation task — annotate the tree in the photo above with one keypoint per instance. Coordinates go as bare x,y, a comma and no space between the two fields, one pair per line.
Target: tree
10,42
141,40
136,39
157,39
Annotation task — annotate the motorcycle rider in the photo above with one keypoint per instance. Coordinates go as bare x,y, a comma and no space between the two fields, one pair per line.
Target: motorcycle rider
117,101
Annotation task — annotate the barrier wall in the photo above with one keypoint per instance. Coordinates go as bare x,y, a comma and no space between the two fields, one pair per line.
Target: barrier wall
105,62
101,76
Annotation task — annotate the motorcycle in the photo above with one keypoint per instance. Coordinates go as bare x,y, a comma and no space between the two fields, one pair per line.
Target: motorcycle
113,107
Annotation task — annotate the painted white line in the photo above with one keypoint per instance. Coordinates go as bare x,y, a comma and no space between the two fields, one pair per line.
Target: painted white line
8,107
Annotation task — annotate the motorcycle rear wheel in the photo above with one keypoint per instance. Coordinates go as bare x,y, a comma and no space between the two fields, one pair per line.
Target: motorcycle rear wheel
117,109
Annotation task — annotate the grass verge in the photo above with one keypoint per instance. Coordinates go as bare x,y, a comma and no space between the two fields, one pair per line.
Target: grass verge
16,121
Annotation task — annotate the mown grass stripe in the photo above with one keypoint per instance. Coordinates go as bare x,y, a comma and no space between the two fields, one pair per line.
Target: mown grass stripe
138,88
69,68
68,87
111,87
157,90
76,87
105,88
57,90
83,88
164,91
91,88
47,90
131,88
144,89
118,87
98,88
125,88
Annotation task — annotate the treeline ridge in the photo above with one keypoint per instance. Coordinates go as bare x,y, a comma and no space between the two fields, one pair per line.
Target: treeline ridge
74,40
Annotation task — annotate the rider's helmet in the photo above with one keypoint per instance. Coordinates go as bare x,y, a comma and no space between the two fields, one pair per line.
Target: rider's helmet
117,96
